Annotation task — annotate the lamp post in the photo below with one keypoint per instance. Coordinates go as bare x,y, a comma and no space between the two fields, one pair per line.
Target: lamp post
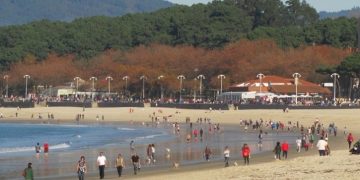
161,88
126,78
200,77
221,77
195,90
50,92
6,77
143,78
77,83
260,76
26,82
93,79
335,76
109,79
181,78
296,77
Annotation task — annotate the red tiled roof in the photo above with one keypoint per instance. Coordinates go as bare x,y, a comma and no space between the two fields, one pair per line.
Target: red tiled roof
274,80
280,85
301,89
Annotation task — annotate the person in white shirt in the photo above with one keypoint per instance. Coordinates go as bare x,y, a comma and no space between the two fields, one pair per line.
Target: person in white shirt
298,144
101,162
227,156
321,145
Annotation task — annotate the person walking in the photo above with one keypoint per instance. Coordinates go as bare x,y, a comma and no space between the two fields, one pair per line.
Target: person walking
101,162
285,149
135,159
81,168
246,154
28,172
227,156
350,139
277,150
321,145
153,153
120,164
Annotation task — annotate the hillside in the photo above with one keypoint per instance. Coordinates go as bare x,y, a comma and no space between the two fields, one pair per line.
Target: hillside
212,26
355,12
23,11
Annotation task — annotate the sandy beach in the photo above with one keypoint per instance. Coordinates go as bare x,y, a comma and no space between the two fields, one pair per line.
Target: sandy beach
303,165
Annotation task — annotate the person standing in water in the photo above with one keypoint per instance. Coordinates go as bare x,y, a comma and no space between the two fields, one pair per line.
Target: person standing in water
81,168
207,153
46,150
37,150
260,137
201,133
28,172
277,151
132,146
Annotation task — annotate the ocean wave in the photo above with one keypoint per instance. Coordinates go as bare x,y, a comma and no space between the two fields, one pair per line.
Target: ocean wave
32,148
149,136
126,129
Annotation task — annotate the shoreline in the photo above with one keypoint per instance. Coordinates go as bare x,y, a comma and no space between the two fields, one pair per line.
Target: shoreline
226,118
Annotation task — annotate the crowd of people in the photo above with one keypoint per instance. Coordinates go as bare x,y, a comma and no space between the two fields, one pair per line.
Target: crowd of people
317,132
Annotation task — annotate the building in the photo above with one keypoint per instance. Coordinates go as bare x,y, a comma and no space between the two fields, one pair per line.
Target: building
277,87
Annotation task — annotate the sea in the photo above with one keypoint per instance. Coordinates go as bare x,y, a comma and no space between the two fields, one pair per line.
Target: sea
22,138
67,142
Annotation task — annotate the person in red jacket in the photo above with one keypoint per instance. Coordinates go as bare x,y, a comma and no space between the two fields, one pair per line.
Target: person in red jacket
350,139
46,149
246,154
285,148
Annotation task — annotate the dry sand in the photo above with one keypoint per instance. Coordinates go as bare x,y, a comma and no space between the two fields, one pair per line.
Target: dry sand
340,165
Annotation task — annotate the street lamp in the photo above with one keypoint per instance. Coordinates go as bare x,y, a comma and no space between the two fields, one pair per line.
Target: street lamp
77,83
335,76
195,90
161,87
109,78
143,78
221,77
126,78
296,76
6,77
50,92
200,77
181,78
93,79
26,82
260,76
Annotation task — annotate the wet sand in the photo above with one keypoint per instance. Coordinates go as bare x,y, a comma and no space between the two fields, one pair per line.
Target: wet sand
305,163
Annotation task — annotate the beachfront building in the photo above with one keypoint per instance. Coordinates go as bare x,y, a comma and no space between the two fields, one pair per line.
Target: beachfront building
275,89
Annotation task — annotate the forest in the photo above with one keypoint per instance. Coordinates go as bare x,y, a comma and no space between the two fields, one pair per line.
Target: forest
237,38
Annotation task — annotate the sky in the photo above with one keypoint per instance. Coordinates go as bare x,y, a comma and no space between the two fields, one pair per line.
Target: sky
319,5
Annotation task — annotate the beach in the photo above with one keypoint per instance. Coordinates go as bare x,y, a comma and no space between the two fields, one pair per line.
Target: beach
303,165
